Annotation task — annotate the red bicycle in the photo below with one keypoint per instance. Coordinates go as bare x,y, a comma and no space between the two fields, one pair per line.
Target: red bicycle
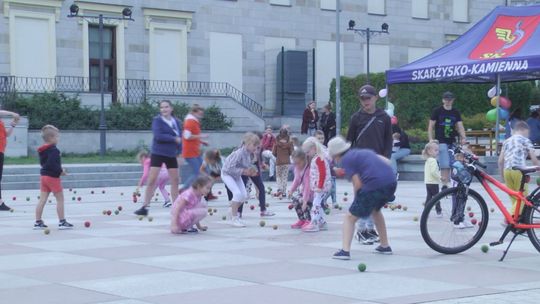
456,218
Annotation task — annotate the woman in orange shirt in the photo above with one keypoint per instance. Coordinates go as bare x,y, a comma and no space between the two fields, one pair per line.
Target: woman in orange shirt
4,133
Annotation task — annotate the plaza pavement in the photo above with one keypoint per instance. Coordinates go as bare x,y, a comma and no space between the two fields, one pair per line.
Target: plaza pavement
121,260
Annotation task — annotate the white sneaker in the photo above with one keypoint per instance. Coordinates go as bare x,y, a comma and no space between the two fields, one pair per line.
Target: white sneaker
463,225
237,222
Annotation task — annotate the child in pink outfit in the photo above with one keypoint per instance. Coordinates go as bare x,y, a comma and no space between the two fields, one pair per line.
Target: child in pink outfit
190,207
162,180
303,203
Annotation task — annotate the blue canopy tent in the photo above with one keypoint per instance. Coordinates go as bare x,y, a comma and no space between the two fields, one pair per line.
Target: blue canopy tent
503,46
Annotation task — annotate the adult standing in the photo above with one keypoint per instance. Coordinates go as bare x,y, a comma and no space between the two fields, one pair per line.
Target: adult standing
534,127
370,128
166,143
267,145
4,134
310,119
191,143
401,146
328,123
446,122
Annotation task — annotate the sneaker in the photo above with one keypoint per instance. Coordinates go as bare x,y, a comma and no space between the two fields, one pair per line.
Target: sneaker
40,225
342,255
64,225
167,204
4,207
267,213
306,223
383,250
299,224
363,237
463,225
142,211
237,222
373,236
192,230
323,226
310,228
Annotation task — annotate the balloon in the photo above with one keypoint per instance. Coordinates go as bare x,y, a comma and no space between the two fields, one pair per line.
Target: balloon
382,93
491,115
394,120
503,114
504,102
390,112
493,91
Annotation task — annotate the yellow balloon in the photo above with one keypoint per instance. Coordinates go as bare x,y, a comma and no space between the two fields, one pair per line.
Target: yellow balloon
494,101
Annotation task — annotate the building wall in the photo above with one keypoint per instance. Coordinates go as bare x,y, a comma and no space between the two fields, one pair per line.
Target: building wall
256,29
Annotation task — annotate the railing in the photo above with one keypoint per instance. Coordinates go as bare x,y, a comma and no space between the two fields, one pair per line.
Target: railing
130,91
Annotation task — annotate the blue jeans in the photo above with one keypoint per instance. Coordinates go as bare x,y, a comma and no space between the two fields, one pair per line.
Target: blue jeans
195,165
399,154
332,192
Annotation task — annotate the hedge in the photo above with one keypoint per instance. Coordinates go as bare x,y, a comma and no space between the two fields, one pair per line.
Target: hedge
414,102
66,113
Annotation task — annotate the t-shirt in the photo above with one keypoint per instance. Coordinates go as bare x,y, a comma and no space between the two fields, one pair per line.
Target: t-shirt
3,137
445,124
191,147
516,149
534,129
373,171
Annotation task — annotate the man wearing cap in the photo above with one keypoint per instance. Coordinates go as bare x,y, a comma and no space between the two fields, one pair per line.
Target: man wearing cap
447,123
370,128
374,186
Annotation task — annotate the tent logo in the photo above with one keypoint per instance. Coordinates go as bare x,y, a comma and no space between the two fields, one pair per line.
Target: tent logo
505,37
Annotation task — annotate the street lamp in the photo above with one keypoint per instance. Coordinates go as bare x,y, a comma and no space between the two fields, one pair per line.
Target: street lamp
367,33
126,15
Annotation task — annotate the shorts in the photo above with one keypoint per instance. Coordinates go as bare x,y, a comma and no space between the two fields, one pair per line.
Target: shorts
366,201
50,184
158,160
445,157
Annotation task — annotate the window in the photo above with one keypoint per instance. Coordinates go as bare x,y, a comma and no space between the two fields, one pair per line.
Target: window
460,10
376,7
420,9
109,56
281,2
328,5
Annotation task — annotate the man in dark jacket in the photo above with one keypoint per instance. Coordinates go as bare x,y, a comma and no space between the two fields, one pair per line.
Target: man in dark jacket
370,128
328,123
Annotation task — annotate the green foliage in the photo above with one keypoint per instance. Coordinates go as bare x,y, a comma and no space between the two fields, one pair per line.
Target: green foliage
66,113
476,122
417,135
414,102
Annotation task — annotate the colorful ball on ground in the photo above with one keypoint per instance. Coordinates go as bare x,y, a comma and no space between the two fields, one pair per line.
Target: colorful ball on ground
362,267
484,248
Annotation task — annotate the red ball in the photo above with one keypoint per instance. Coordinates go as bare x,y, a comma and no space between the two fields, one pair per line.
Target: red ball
87,224
399,206
14,198
120,208
386,206
291,206
344,199
109,212
134,199
251,207
471,214
473,221
79,198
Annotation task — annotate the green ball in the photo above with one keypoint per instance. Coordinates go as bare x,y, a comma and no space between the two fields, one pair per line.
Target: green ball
327,211
538,181
362,267
485,248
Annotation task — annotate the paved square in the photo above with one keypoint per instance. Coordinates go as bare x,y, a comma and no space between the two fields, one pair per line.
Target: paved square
120,259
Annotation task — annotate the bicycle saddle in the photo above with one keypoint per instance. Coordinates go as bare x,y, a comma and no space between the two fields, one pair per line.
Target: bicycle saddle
525,169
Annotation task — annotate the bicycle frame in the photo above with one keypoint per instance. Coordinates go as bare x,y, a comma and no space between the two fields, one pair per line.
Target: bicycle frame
484,178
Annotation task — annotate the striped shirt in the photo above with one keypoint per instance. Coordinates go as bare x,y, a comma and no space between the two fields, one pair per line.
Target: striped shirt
237,162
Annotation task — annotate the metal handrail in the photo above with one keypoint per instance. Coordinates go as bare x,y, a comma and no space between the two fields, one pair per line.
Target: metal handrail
130,91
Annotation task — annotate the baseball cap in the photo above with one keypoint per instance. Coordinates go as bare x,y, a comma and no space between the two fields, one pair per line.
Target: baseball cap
447,95
367,91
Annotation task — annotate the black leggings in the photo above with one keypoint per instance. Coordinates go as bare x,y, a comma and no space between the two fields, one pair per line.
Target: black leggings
1,171
257,181
432,190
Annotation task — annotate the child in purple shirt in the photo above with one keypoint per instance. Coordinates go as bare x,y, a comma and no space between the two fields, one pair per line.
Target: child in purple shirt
374,185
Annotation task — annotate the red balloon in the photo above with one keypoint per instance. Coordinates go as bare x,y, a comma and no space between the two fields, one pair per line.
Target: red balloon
394,120
505,103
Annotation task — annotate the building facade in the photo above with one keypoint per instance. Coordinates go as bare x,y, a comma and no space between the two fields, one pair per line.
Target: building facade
174,46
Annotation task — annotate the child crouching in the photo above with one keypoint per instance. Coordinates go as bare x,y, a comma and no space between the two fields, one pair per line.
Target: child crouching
190,207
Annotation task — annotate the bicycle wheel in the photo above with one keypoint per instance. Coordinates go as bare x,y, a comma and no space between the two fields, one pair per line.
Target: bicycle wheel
532,216
454,220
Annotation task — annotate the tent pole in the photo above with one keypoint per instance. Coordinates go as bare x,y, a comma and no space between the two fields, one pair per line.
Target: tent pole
497,121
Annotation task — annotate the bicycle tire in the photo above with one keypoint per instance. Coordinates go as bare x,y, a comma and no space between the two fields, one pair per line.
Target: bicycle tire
427,235
532,216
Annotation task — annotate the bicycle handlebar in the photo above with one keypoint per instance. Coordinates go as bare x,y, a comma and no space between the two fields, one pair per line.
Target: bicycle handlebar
470,157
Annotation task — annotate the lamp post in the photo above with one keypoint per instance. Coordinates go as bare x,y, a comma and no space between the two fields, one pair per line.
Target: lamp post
367,33
126,15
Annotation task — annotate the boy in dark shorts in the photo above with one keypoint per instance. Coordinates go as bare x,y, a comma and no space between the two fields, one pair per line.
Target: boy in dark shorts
374,185
51,170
